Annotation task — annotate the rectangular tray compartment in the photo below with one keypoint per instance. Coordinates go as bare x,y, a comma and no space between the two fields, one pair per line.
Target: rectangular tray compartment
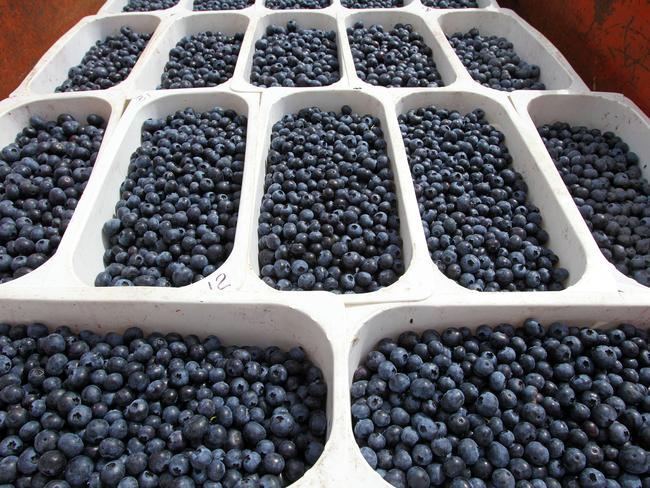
52,69
229,22
239,320
388,18
603,111
375,323
15,115
85,258
482,4
281,102
530,44
306,19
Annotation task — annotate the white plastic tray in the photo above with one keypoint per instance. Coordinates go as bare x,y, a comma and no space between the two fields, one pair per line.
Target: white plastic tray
82,260
229,22
603,111
14,116
52,69
442,54
530,44
306,19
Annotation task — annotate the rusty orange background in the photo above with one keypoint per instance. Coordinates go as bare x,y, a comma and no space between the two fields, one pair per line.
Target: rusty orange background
607,41
28,28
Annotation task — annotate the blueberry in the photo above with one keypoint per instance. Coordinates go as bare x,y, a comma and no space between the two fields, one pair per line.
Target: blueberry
502,478
293,56
106,64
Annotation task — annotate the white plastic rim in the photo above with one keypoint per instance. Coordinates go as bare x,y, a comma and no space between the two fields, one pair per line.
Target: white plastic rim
83,259
410,286
14,116
441,52
603,111
228,22
52,69
306,19
371,324
555,71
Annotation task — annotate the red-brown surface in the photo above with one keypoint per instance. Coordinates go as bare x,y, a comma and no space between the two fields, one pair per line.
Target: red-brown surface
28,28
606,41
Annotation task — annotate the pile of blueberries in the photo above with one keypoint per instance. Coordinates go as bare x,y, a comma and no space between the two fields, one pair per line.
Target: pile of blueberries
148,5
397,57
606,182
481,230
42,177
493,62
450,3
176,218
372,3
296,4
205,5
136,411
507,407
292,56
202,60
107,63
328,218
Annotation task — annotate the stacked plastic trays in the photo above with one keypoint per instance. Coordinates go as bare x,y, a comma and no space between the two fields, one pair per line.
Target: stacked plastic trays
336,330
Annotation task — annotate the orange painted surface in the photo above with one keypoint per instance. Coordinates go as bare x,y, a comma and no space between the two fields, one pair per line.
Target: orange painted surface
606,41
28,28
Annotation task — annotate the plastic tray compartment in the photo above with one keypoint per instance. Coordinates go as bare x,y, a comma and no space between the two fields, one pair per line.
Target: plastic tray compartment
482,4
442,55
14,116
242,320
116,6
371,325
542,191
189,5
229,22
52,69
280,102
306,19
530,44
84,261
603,111
408,5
